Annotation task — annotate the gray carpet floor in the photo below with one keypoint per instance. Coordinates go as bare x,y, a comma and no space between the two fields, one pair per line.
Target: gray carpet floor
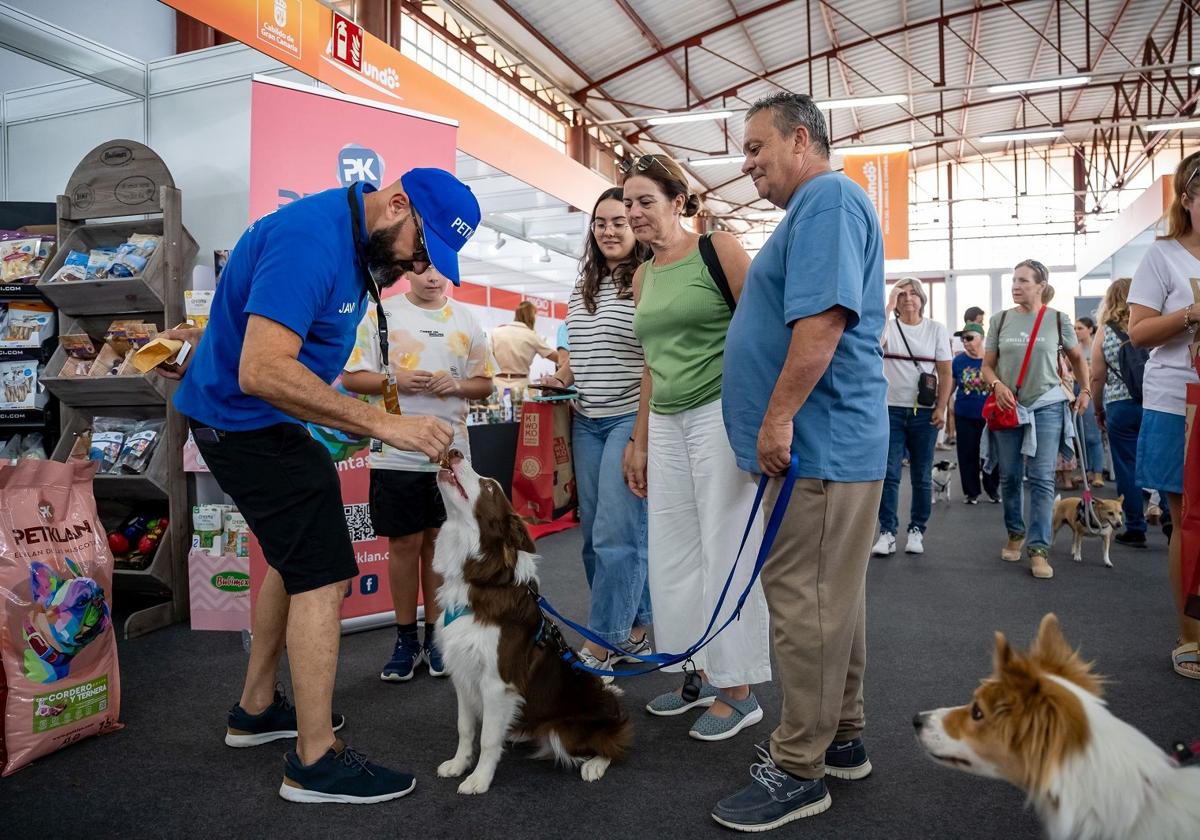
931,618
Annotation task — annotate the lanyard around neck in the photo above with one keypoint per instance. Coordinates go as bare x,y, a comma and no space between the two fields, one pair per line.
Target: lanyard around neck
356,225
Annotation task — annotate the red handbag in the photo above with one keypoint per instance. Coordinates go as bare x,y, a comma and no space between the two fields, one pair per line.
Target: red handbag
997,417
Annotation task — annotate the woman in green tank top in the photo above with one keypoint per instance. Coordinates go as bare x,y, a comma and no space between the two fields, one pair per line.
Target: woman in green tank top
679,457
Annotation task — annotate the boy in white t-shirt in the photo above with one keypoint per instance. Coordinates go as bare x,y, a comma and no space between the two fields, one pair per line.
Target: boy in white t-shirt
439,355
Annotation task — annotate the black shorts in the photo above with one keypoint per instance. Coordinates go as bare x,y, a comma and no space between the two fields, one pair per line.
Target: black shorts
405,502
285,484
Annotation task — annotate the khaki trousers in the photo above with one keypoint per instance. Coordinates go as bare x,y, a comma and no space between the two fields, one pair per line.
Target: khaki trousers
815,581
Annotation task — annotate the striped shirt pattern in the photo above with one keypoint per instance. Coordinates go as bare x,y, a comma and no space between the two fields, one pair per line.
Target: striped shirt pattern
606,357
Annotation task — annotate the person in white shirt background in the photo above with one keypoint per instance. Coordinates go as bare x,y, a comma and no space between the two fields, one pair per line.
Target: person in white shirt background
1164,315
440,358
914,427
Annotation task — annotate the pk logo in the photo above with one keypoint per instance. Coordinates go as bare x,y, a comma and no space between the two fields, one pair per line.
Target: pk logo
368,584
356,163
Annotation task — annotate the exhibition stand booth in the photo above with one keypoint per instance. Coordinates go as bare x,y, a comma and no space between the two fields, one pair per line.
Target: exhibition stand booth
231,133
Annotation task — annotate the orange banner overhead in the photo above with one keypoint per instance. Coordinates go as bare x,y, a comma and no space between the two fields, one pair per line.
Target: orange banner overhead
885,178
301,34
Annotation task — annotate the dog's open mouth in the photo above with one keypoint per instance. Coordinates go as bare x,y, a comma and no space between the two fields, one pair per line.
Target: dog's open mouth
447,475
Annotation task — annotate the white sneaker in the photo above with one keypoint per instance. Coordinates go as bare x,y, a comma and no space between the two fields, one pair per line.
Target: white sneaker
588,659
886,544
916,542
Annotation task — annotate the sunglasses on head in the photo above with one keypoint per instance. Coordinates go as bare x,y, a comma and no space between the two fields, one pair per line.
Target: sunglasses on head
641,164
1192,177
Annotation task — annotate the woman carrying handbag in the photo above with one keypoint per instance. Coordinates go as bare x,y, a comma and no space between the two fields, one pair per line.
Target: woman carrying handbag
1031,419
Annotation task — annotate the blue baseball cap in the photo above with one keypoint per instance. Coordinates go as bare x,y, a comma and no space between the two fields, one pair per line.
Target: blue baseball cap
449,215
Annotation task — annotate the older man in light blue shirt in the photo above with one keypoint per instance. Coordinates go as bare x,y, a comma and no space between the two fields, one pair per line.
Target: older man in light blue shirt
804,376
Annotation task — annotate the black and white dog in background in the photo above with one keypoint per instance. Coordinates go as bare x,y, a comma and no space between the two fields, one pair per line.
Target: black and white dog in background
942,473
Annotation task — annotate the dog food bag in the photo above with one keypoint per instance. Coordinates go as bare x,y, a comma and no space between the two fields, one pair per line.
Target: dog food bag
59,680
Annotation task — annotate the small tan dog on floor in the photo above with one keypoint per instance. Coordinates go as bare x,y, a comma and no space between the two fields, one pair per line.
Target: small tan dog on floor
1069,512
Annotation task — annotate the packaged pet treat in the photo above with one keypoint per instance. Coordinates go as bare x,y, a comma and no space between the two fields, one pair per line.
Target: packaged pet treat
28,324
74,268
237,535
108,438
131,257
99,263
139,446
207,527
19,381
81,353
19,260
197,304
60,680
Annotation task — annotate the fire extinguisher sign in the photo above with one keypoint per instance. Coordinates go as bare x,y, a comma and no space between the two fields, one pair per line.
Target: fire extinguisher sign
347,42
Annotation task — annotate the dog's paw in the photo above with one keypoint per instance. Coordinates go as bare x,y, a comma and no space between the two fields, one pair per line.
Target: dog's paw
474,784
1078,558
453,768
1108,563
594,768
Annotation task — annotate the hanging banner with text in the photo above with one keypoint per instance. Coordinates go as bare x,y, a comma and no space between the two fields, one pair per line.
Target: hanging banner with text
303,141
885,178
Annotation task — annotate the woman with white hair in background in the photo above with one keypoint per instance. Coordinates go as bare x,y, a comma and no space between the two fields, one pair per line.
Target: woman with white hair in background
916,362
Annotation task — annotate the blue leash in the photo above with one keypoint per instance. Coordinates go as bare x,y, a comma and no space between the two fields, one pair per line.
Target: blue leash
663,660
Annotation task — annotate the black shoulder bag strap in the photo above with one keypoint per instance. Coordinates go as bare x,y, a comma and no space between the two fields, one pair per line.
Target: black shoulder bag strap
708,253
912,357
360,260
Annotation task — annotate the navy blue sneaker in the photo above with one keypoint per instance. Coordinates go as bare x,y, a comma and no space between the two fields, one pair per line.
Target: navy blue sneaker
342,775
433,657
843,759
277,721
406,657
773,799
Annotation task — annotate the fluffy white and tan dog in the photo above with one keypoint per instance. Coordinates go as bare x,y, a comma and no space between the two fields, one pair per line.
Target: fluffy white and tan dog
1038,722
506,659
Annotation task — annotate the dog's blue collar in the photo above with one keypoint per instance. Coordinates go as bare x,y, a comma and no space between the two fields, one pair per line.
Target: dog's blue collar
457,611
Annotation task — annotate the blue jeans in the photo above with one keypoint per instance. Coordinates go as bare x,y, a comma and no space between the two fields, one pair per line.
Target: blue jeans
1124,422
911,431
1092,441
614,528
1014,466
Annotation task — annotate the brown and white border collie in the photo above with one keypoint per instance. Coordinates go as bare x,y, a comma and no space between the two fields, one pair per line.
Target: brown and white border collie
1038,722
502,656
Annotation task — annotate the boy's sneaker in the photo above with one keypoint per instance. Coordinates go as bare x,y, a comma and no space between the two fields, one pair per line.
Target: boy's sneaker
275,722
406,656
843,759
886,544
342,775
773,799
971,500
433,657
915,543
632,649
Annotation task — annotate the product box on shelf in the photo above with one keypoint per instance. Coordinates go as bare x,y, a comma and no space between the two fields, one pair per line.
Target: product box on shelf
219,591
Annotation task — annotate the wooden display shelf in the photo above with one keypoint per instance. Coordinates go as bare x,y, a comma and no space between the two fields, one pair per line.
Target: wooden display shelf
128,389
148,579
143,293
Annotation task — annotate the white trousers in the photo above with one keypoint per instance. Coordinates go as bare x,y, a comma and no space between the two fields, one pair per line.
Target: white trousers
698,505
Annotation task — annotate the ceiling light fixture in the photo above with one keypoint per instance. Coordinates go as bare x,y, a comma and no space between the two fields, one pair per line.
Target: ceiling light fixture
697,116
716,160
1194,70
1014,136
1043,84
501,241
879,149
1172,125
545,255
863,101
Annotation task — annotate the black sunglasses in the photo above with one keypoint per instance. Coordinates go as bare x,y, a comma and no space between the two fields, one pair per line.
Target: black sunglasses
420,253
1195,172
641,164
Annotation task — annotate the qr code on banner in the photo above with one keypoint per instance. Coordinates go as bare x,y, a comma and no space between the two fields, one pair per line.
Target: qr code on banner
358,522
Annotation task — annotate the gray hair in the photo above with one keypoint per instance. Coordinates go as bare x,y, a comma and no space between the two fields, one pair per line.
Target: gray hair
792,110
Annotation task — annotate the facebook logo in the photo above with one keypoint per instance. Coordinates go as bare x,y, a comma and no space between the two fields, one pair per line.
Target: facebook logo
368,584
356,163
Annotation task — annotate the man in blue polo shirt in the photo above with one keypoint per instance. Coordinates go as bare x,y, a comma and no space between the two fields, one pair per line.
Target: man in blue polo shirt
283,324
804,376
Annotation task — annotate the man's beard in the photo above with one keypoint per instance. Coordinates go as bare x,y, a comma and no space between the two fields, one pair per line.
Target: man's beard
381,259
